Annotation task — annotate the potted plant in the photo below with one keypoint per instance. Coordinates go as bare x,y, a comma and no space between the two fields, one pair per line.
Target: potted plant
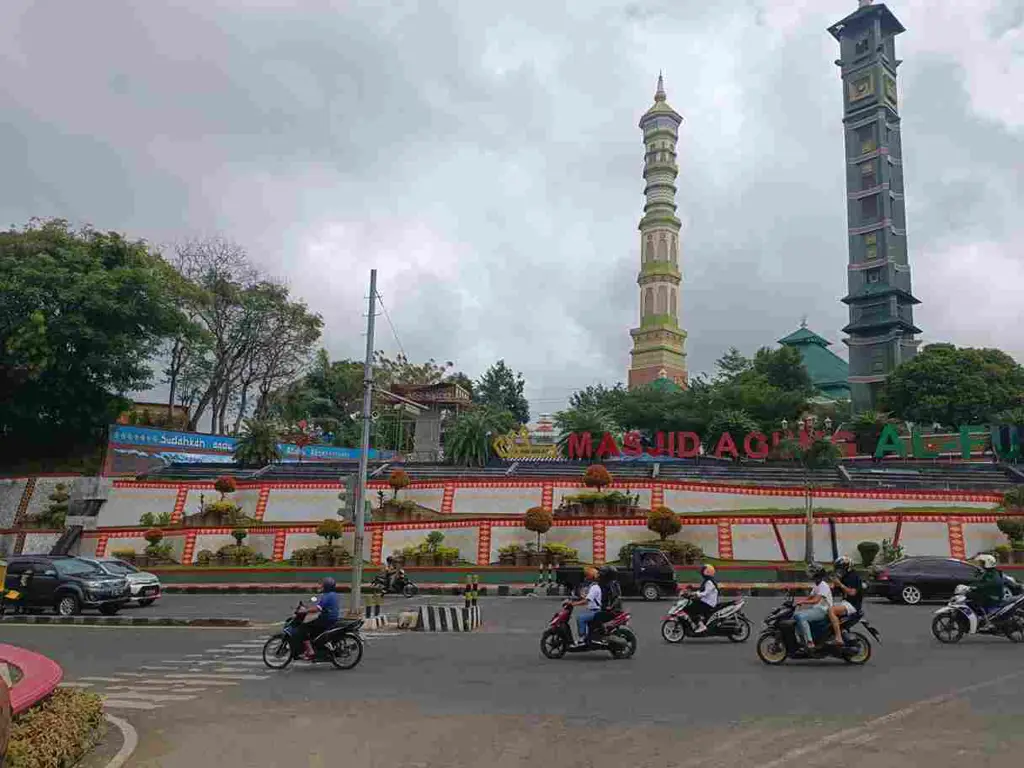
538,520
597,476
664,522
507,554
448,555
204,558
224,485
522,556
398,479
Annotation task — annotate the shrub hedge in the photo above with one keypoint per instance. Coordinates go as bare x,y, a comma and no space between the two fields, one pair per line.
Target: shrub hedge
57,732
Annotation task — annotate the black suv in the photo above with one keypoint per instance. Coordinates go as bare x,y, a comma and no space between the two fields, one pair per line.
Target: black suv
66,584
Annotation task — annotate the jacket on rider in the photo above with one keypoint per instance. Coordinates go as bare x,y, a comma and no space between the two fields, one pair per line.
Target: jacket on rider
987,591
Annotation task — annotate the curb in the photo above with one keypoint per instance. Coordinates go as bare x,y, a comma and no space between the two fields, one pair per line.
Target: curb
126,621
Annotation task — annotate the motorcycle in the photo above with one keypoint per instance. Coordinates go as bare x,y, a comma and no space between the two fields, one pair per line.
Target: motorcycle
728,620
609,631
959,618
341,645
400,585
778,640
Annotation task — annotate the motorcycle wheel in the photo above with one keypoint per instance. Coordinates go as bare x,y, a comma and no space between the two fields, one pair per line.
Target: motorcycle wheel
347,652
277,651
863,655
1015,632
947,628
771,649
410,590
553,644
630,648
742,632
673,631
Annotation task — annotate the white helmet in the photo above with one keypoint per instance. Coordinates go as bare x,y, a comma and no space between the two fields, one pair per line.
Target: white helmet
986,561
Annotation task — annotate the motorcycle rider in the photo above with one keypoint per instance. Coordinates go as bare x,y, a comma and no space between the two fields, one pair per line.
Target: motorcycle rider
814,607
848,587
327,610
987,591
704,602
390,571
611,592
592,601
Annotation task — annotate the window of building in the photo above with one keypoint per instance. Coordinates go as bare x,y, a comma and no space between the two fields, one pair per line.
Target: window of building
862,46
866,139
868,175
874,275
869,208
878,359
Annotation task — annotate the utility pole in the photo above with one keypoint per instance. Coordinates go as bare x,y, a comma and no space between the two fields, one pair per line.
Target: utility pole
355,605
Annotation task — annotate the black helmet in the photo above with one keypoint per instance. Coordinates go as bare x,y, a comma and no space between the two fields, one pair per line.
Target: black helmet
329,585
843,563
608,573
815,571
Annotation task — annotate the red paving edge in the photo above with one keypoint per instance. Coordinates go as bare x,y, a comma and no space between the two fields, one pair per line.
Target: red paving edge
40,676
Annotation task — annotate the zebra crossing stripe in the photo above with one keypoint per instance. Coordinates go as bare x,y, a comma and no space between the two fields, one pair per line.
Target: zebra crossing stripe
175,681
205,676
75,685
128,704
103,679
154,697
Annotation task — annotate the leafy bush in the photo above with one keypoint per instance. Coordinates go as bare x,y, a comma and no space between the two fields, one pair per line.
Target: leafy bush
57,732
868,552
891,552
1002,553
330,529
1013,501
307,556
204,557
562,551
433,541
678,552
224,485
240,554
56,513
597,476
398,480
224,511
1012,528
123,554
664,522
150,520
611,498
509,549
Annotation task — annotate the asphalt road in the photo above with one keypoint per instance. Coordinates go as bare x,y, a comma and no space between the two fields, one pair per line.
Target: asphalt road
490,698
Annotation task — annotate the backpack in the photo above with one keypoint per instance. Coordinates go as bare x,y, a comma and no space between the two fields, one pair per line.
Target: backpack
611,596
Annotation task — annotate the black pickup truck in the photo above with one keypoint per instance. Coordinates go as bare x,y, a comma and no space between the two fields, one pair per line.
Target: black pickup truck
650,575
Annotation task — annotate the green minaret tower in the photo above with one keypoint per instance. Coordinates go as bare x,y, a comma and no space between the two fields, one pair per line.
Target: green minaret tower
881,328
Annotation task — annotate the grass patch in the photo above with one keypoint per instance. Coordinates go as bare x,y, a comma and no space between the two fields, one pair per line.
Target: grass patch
58,731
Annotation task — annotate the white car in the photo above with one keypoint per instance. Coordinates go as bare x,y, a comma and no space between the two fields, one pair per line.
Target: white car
145,587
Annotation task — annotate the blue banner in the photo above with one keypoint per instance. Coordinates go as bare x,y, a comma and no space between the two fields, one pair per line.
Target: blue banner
179,443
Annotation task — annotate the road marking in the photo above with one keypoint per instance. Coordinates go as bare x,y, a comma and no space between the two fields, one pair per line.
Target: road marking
103,679
132,674
208,676
174,681
156,669
129,741
231,669
75,685
128,704
154,697
168,687
848,734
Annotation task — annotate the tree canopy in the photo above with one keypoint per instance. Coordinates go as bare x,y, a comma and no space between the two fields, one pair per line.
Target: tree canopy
502,390
952,386
81,316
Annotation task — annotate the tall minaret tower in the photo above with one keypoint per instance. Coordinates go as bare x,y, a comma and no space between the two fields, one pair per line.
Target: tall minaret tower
881,328
658,342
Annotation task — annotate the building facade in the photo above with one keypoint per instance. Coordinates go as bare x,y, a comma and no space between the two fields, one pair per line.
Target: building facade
658,342
828,371
881,329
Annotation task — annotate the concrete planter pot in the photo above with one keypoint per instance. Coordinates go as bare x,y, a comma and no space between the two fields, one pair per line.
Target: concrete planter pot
507,558
522,558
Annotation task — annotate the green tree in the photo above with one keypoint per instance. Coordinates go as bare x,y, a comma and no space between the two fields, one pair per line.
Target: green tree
469,440
782,368
81,315
538,520
731,365
389,372
331,530
257,445
664,522
736,423
594,421
502,390
327,397
598,397
954,386
463,381
56,512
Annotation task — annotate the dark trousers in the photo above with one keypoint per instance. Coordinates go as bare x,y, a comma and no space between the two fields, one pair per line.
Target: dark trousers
311,629
699,610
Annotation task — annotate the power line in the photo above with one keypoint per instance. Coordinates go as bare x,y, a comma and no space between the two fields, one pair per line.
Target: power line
391,325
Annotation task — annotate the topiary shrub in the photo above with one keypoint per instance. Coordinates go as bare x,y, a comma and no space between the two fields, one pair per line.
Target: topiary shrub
128,555
664,522
56,512
597,476
204,557
538,520
868,552
1002,553
223,512
224,485
678,552
331,530
237,554
239,535
154,536
56,732
398,479
150,520
1012,528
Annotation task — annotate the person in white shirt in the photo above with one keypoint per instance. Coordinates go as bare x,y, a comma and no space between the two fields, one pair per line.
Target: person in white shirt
592,601
705,600
815,607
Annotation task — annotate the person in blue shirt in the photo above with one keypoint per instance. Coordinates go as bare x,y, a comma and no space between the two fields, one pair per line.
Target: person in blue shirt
326,610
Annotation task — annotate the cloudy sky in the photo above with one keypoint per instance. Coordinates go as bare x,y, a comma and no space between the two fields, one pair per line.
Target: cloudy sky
485,158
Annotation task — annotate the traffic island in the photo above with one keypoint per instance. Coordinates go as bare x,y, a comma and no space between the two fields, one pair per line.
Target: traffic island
443,618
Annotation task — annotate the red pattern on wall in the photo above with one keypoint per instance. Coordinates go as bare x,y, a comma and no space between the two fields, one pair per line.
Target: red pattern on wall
483,544
657,496
599,541
724,540
547,496
448,499
190,547
101,545
179,505
261,502
956,539
26,497
279,541
376,545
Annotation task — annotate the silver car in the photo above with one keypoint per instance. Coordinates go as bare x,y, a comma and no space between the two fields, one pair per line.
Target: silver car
145,587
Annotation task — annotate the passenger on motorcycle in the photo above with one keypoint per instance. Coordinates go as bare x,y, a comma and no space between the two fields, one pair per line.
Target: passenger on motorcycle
611,592
390,571
987,591
814,607
848,595
327,610
592,601
705,601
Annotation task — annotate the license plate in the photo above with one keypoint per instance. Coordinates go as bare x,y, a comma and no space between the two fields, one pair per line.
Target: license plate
150,590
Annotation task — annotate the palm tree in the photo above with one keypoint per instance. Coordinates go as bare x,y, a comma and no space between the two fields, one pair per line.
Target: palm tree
468,440
596,421
257,445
